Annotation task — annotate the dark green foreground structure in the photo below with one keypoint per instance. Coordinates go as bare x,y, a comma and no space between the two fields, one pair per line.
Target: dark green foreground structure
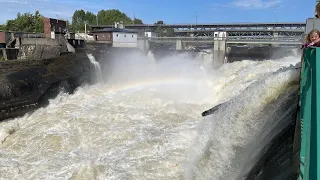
310,115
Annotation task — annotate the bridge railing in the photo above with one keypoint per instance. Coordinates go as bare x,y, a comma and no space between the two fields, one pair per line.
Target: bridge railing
253,38
310,115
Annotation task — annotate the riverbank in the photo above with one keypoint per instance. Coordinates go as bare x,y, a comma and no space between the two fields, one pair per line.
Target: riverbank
28,84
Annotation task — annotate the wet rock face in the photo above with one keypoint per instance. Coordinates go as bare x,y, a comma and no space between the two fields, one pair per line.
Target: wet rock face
26,85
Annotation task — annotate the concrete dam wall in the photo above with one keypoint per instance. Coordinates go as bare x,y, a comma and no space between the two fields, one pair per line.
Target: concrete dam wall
232,53
238,53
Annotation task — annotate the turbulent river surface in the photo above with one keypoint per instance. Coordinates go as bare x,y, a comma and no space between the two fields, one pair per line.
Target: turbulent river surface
143,121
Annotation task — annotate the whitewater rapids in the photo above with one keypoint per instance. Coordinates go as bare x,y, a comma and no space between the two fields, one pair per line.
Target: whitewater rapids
144,122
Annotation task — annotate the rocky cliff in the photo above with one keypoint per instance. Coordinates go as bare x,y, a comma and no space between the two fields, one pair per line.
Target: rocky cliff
27,84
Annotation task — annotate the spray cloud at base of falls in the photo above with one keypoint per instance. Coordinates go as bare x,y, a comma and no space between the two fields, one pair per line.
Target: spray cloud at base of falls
140,123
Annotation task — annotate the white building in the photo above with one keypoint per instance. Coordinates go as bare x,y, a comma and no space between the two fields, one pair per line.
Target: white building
124,39
150,34
117,37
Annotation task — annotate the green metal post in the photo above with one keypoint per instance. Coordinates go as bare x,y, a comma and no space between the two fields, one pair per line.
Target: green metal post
309,115
315,116
305,115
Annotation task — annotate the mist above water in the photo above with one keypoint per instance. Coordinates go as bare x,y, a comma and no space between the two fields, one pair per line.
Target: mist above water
143,121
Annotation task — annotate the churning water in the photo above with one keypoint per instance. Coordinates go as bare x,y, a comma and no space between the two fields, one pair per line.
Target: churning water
144,122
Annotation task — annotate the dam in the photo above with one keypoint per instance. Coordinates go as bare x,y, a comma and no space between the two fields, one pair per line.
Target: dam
142,119
144,122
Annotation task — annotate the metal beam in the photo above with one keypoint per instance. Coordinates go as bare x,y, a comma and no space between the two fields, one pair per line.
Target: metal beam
229,40
274,25
240,30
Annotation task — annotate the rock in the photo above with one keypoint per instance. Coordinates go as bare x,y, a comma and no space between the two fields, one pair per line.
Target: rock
26,83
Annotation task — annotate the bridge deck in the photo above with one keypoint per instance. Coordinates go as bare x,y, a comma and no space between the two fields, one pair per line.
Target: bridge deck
229,40
208,25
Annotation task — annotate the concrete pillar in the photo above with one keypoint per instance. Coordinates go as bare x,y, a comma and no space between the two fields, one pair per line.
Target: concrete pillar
18,43
275,36
219,52
4,54
146,45
180,45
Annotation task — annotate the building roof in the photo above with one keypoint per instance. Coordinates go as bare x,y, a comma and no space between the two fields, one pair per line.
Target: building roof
114,30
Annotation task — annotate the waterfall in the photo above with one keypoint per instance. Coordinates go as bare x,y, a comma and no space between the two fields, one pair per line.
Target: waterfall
96,66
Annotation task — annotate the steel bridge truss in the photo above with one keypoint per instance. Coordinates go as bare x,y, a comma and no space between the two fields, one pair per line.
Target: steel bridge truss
295,29
241,33
215,27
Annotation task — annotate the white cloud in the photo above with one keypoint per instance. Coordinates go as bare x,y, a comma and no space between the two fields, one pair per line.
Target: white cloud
14,1
255,4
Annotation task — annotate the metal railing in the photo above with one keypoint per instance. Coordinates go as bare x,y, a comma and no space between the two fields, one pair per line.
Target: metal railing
309,115
222,38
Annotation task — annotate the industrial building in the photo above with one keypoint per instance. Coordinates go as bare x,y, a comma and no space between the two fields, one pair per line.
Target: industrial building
54,27
116,37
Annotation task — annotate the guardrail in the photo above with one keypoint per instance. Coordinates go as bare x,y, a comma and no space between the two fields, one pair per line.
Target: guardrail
310,115
221,38
30,35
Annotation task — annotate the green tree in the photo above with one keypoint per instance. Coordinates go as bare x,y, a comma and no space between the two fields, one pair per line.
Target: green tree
90,18
137,21
170,32
159,22
109,17
161,31
2,27
78,20
26,22
38,22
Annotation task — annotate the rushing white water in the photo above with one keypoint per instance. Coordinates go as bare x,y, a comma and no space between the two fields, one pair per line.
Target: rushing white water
97,67
143,122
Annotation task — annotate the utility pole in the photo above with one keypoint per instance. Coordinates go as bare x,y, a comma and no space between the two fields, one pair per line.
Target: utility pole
97,19
196,17
134,17
315,10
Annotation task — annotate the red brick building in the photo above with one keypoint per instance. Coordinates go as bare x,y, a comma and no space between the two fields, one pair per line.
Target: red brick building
53,27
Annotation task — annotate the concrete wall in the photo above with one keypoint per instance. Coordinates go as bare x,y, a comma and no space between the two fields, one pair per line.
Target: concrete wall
41,41
8,54
238,53
121,39
39,51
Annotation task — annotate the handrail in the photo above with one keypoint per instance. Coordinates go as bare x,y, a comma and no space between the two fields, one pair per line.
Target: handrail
309,117
223,38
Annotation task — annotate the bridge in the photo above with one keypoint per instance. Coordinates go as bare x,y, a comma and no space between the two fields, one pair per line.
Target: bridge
228,40
286,29
217,27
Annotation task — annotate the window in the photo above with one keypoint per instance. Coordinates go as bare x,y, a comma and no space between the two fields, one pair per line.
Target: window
132,35
117,35
125,35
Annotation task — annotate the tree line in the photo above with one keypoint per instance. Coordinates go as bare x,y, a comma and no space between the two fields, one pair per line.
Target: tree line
29,22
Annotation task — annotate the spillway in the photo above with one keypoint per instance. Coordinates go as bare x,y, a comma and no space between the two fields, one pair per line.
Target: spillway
143,121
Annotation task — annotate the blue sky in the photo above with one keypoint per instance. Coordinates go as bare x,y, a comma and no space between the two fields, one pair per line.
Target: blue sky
171,11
